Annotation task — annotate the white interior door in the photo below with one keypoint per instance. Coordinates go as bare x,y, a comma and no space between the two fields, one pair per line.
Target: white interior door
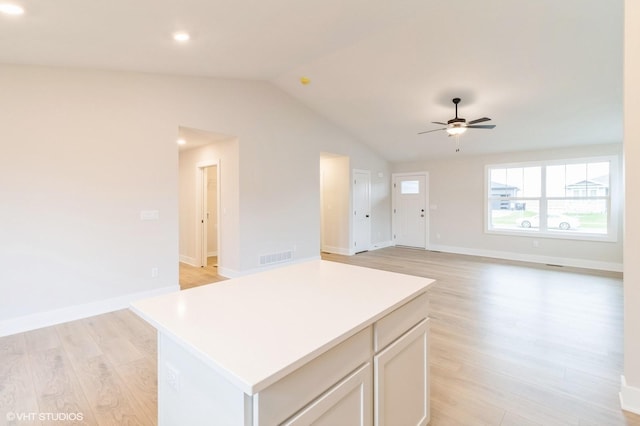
212,211
206,218
361,210
410,214
203,218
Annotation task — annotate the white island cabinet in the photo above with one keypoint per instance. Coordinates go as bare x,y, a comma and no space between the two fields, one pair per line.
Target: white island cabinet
318,343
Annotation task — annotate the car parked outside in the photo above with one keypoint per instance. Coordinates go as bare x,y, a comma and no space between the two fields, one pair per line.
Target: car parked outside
557,221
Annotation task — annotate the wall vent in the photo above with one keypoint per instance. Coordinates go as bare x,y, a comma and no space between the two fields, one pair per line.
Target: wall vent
270,259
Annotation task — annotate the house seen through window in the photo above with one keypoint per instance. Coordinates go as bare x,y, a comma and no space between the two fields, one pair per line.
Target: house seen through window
552,199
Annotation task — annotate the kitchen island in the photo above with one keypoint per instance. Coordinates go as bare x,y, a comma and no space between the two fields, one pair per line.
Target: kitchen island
317,342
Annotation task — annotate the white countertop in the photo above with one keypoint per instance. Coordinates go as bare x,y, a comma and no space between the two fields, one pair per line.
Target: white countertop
256,329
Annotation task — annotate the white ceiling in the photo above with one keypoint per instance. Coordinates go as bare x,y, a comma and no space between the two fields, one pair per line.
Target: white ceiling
548,72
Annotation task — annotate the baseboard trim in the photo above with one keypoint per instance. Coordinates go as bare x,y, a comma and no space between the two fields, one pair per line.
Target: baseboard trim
232,273
72,313
188,260
350,252
562,261
337,250
629,397
381,244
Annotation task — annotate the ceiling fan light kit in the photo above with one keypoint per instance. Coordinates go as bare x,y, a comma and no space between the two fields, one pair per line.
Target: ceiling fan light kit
456,130
458,125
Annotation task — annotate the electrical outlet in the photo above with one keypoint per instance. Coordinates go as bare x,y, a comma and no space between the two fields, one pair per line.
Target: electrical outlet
154,272
172,376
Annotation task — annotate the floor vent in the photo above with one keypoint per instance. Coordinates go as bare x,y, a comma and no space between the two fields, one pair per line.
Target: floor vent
270,259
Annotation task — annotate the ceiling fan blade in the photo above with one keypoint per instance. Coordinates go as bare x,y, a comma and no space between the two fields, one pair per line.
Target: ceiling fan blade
439,122
482,126
434,130
479,120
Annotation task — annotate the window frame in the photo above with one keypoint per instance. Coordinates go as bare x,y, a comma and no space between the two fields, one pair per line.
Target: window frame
612,203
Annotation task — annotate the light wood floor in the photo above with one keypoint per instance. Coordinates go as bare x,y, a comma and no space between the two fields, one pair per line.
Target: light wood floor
517,344
102,369
511,344
193,276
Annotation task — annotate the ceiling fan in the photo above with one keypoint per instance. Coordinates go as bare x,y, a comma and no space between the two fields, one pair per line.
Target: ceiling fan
457,126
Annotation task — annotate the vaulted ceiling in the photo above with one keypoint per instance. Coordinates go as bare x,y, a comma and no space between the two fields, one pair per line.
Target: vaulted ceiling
548,72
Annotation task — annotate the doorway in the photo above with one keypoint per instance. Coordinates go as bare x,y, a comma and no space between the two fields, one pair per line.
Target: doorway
335,204
409,206
208,165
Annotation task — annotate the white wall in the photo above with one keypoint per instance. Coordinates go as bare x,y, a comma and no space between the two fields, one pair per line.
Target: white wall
106,143
630,393
269,177
457,225
76,169
335,189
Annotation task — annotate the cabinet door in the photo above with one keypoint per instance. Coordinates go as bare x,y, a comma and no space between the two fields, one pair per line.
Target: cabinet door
346,404
401,380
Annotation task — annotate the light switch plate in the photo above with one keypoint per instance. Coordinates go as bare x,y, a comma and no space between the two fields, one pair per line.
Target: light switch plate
149,215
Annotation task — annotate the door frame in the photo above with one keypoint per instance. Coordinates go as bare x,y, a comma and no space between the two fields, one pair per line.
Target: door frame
201,208
353,248
426,203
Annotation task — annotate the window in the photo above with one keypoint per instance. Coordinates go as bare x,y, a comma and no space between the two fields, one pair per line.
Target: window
569,199
410,187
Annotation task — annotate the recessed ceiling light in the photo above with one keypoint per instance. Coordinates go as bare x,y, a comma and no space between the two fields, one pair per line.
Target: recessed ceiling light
11,9
181,36
181,142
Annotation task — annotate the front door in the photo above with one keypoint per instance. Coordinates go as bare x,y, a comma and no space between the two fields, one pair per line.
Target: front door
410,210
